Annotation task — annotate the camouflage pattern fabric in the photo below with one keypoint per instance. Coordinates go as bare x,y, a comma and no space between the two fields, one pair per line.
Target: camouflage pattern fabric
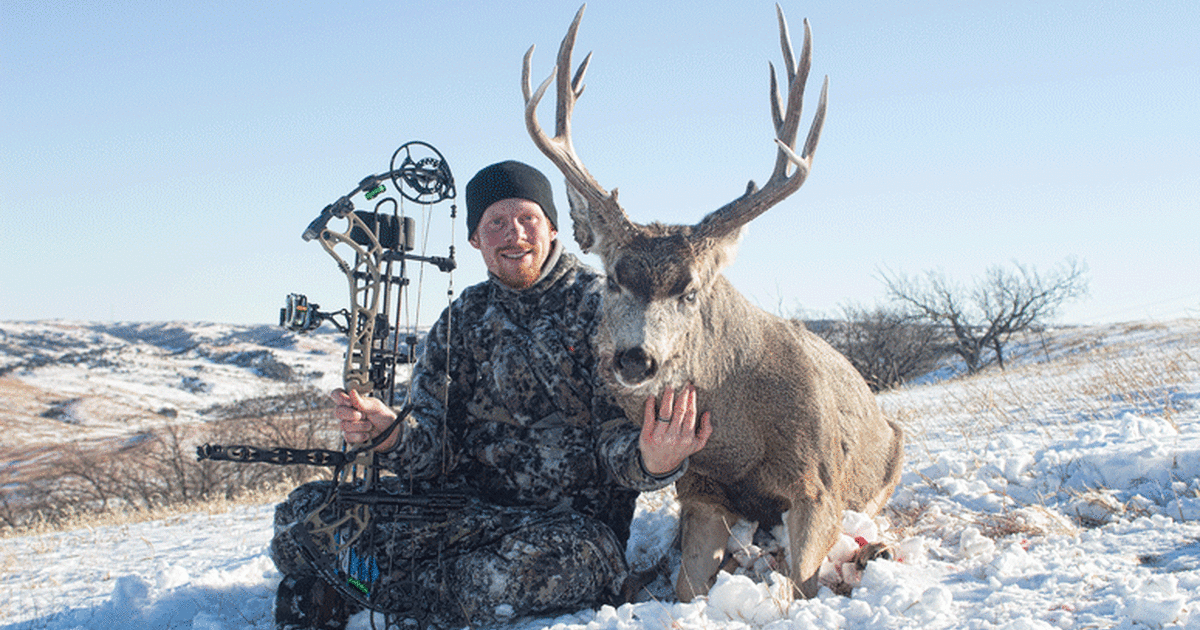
530,429
487,564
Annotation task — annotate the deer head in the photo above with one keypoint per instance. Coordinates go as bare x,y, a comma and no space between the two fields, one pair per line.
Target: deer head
664,282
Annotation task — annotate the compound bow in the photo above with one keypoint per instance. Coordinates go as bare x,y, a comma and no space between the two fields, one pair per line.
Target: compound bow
378,246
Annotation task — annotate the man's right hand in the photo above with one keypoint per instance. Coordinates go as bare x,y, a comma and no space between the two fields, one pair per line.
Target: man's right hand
363,418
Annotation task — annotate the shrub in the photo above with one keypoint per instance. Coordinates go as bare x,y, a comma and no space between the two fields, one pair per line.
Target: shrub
885,345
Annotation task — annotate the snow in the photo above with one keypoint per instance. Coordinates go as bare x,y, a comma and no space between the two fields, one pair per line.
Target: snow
1063,492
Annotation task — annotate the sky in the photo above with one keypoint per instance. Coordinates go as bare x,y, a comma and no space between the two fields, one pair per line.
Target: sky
159,160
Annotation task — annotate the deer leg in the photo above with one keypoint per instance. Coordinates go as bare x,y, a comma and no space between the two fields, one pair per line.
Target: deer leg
813,526
705,532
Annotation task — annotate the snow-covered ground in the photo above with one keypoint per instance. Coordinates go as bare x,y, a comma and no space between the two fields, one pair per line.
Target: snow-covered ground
1061,493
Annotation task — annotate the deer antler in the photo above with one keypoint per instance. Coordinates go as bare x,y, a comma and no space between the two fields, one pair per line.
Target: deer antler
602,205
754,202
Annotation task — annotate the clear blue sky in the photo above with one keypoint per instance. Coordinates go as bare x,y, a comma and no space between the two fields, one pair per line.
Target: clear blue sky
158,160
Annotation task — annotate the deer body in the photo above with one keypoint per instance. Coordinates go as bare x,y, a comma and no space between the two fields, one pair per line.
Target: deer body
796,431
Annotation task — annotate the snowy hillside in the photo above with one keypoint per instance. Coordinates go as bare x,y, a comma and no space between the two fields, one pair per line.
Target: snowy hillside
97,389
105,379
1061,493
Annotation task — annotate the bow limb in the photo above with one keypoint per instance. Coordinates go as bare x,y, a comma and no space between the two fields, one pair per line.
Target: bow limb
366,280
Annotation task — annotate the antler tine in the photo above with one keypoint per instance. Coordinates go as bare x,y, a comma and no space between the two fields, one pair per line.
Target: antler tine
559,149
785,42
786,129
568,90
789,62
786,121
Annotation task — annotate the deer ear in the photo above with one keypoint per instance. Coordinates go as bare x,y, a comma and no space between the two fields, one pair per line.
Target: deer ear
581,218
722,242
725,247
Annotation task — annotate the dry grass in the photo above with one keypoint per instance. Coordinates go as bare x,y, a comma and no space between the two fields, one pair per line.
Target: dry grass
1062,382
70,520
928,519
1059,384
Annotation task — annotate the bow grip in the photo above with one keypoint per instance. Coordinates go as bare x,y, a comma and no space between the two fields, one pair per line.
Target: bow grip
359,383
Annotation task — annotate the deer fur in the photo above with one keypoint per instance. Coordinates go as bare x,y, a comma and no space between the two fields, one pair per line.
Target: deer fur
797,434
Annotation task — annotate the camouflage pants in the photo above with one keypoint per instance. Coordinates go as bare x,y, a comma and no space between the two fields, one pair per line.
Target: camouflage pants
485,564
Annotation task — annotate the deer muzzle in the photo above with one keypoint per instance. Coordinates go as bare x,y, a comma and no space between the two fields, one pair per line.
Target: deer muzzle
634,366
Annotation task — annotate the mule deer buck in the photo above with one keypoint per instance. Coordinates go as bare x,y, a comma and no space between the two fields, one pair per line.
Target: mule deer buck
797,433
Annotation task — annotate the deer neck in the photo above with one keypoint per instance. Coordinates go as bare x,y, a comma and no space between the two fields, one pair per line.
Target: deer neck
726,342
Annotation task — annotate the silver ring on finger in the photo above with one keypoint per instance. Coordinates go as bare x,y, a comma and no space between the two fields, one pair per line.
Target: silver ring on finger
661,419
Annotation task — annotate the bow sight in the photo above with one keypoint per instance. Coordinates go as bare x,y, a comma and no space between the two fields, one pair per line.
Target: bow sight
378,245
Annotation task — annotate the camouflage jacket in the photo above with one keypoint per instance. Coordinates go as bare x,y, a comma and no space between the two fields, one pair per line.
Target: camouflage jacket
528,421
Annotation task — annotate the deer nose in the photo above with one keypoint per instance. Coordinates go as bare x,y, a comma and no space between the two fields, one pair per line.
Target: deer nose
635,366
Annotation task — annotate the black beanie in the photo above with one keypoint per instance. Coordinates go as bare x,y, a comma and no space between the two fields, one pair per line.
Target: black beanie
508,180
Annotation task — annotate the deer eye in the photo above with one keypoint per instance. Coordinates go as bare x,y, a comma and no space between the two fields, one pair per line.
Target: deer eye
690,297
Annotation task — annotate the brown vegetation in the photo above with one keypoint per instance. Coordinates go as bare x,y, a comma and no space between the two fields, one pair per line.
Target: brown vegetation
52,485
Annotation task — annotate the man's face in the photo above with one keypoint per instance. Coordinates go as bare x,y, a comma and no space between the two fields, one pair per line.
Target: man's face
515,238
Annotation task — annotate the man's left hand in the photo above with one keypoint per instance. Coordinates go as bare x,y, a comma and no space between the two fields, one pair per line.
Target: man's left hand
669,431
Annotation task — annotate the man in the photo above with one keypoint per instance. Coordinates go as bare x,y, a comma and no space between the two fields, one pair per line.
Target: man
508,407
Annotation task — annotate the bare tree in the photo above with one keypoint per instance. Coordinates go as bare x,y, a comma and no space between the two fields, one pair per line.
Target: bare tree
1004,302
888,346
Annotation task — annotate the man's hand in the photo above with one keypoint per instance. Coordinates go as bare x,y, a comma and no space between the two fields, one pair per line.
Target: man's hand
363,418
669,434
